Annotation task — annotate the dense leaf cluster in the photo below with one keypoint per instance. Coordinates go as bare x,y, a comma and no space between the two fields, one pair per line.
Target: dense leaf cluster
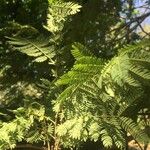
72,72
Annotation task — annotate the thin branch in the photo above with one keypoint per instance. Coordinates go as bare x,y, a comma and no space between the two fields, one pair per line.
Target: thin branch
133,20
142,28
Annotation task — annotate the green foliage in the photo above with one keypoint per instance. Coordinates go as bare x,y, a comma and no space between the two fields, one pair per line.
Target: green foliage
24,126
103,93
58,13
28,12
99,99
38,48
83,67
12,131
31,121
80,50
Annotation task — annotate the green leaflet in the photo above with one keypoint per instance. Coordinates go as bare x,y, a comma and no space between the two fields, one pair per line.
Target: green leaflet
79,50
134,129
38,48
85,68
58,13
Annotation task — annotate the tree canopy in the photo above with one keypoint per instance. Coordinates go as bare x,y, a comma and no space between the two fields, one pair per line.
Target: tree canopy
74,74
